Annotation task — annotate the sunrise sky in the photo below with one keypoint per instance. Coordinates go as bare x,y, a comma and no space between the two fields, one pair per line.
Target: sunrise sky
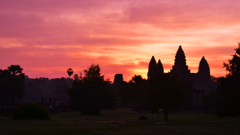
46,37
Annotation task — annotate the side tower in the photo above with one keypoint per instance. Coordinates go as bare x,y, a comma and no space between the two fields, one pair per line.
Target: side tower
204,70
160,67
152,68
180,68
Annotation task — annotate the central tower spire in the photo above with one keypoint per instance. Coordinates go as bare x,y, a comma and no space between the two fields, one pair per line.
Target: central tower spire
180,67
180,59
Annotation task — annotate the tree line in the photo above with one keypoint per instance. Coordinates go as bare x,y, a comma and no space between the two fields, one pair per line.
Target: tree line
11,84
90,92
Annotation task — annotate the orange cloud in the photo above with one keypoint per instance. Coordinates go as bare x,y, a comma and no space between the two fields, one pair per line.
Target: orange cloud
48,37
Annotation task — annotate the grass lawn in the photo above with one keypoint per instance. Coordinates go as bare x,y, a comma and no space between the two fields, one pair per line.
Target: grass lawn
122,121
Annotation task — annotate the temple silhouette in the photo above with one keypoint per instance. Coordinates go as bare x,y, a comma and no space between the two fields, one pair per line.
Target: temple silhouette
199,83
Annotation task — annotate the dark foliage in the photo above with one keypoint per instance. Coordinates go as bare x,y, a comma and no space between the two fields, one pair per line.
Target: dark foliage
46,88
11,84
134,93
125,93
30,111
142,118
229,88
91,93
210,100
166,92
229,91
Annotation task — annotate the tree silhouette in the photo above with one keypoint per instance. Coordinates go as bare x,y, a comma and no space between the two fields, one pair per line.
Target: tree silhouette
11,84
229,88
133,93
91,93
166,92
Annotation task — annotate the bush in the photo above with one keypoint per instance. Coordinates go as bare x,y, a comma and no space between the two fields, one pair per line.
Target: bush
30,111
210,100
142,118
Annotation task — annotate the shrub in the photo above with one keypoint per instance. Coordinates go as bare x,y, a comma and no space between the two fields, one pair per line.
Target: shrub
142,118
7,115
30,111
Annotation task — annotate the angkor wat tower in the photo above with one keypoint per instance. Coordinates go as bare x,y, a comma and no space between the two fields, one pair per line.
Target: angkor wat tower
154,68
180,67
199,80
204,70
199,83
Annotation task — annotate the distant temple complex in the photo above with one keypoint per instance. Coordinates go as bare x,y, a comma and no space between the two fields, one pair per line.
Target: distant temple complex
199,83
181,69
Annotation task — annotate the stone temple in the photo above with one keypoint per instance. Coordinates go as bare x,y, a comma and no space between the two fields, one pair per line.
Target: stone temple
199,83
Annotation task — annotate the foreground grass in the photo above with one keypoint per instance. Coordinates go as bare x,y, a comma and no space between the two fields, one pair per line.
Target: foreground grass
122,121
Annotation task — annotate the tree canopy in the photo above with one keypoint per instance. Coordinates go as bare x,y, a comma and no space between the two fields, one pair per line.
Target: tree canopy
229,88
11,84
91,93
134,93
166,92
233,67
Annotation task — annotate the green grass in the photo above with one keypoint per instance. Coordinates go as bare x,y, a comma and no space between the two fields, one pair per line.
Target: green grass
72,123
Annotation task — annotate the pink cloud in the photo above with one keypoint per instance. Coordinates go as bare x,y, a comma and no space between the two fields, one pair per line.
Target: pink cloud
48,36
50,5
185,14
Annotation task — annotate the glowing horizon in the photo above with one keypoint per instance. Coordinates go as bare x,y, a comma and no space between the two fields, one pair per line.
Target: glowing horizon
46,37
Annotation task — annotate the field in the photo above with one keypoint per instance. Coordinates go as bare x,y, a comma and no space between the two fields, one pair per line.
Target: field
122,121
